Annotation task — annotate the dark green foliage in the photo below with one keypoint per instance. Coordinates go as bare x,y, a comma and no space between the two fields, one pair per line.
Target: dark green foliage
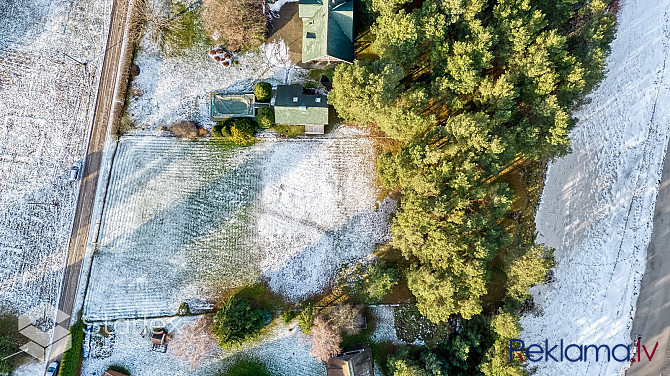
247,368
236,322
263,91
266,117
380,281
7,349
184,309
71,358
241,130
306,318
120,369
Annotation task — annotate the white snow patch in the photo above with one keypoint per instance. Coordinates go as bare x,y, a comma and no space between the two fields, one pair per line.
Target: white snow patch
276,6
30,369
598,202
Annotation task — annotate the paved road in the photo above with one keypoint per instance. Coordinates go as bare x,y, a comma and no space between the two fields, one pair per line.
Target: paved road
101,121
652,317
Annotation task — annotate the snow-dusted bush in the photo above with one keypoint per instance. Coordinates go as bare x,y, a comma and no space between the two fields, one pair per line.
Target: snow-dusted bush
238,24
185,129
265,117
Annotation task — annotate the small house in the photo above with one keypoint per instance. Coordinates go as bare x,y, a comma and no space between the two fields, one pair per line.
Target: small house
354,361
225,106
295,105
327,30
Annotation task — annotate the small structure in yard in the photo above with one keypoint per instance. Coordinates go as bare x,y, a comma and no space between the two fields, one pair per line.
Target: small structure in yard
113,373
353,361
295,105
159,340
225,106
327,30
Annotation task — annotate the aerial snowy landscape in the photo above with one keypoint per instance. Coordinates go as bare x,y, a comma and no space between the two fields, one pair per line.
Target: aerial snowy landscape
46,106
328,187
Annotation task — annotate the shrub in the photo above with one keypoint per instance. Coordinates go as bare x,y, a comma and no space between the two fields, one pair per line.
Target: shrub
266,117
288,316
217,131
184,309
242,130
306,318
263,91
236,323
247,368
176,31
70,364
185,129
238,24
380,281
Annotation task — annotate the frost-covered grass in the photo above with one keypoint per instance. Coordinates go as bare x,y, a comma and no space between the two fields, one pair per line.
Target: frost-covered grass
184,220
598,202
46,107
173,88
284,350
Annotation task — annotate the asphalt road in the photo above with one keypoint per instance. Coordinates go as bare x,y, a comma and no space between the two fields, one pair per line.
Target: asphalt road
89,183
652,317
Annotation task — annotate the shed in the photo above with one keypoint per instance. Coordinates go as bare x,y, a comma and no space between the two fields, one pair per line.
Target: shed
225,106
354,361
295,105
327,30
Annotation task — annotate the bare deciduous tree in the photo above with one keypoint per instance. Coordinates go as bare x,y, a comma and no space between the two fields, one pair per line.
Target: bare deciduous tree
325,340
194,342
237,24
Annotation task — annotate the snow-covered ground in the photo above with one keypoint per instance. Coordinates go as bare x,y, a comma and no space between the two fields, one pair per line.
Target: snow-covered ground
598,202
184,220
284,351
174,88
46,107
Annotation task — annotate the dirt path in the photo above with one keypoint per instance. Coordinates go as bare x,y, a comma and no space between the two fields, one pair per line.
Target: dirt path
103,119
652,318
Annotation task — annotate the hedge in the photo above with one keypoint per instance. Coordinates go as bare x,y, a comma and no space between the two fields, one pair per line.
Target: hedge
70,364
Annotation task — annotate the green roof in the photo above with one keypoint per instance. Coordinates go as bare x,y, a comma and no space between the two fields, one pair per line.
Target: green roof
295,107
327,29
224,106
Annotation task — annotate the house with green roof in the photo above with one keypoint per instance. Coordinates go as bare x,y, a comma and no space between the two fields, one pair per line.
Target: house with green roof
224,106
295,105
327,30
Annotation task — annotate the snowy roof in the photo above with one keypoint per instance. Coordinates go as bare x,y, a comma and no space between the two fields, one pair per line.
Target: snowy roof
293,105
355,361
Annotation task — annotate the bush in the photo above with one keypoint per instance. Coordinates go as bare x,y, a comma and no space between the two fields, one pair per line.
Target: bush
379,282
70,364
263,91
236,323
184,309
288,316
238,24
242,130
306,318
266,117
185,129
247,368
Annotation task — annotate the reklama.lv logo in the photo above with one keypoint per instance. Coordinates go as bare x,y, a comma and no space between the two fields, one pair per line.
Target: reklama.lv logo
577,353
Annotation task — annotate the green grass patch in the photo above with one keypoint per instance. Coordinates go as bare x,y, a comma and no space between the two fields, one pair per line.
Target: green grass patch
289,130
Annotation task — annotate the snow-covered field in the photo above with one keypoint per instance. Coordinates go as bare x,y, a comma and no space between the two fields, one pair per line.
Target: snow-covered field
598,202
46,107
184,220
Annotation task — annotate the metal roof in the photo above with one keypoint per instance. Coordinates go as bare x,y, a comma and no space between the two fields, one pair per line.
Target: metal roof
327,29
294,106
224,106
